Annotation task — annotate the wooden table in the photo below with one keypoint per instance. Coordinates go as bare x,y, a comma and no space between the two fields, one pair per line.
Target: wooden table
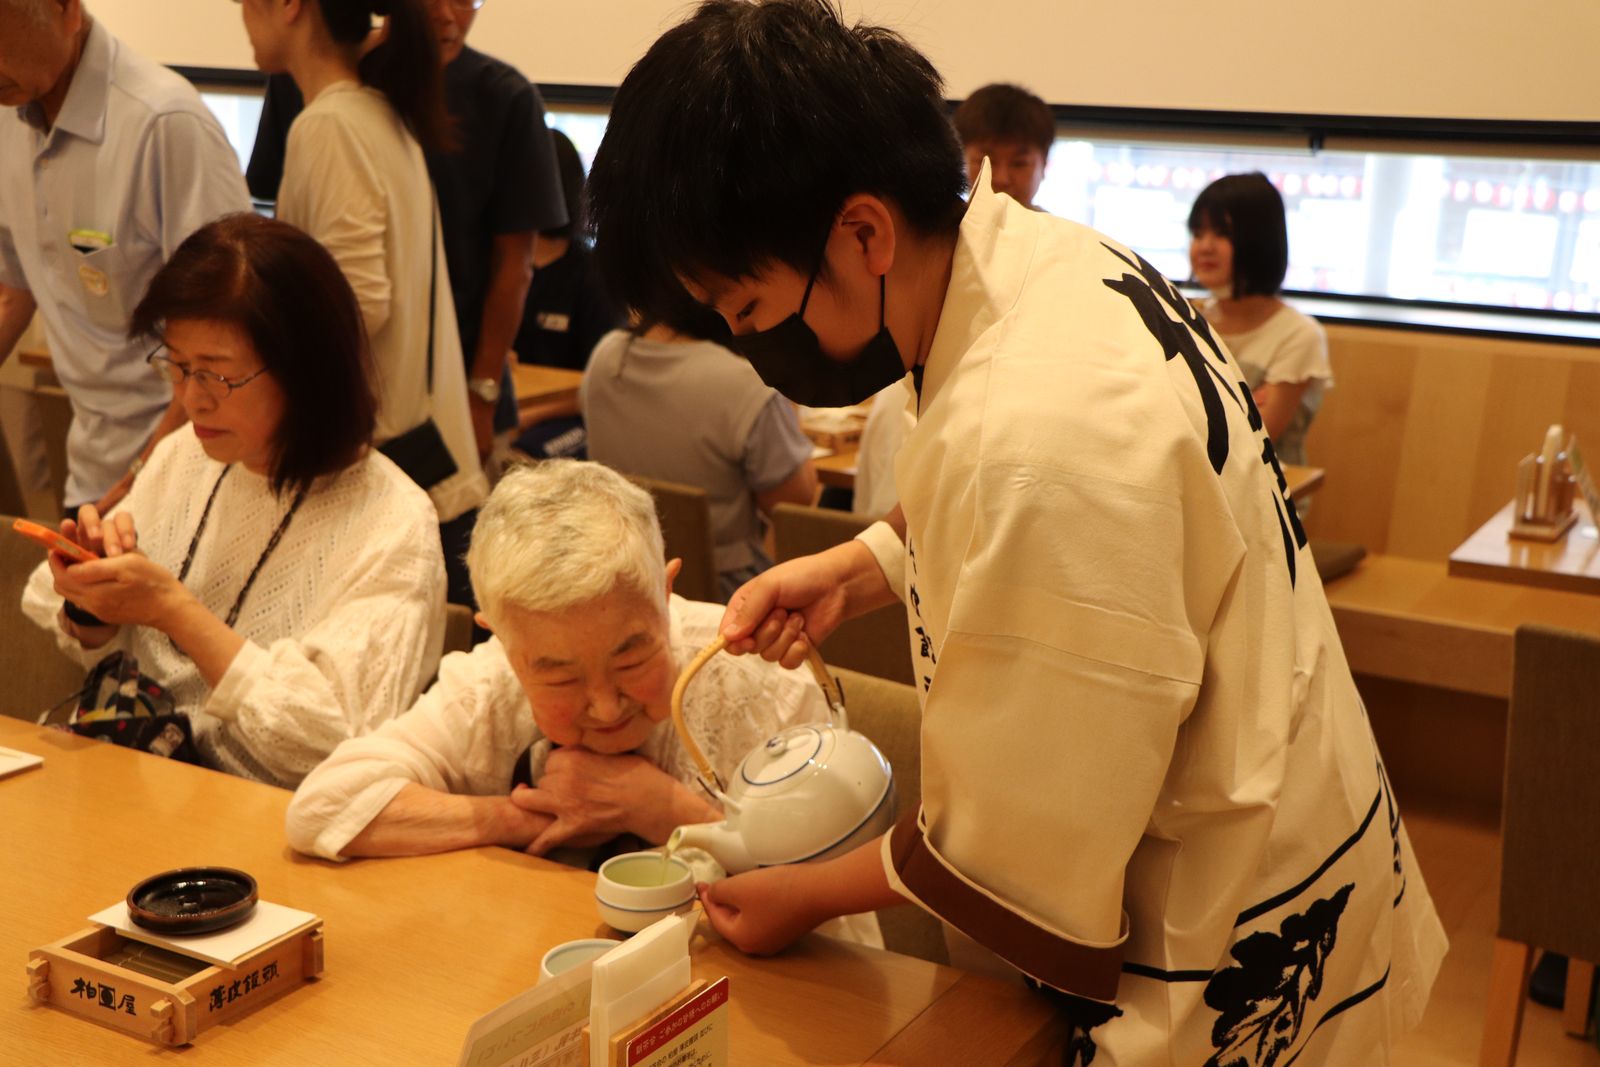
418,948
34,357
538,385
1571,564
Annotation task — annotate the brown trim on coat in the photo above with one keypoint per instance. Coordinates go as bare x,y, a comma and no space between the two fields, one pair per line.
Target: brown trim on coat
1035,951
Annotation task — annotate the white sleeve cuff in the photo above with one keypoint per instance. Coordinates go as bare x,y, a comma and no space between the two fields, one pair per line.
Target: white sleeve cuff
890,552
228,697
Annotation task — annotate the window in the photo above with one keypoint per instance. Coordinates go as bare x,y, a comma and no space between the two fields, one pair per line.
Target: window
239,111
1519,233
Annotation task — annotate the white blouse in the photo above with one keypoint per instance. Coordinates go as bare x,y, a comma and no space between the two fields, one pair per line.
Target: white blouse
342,628
467,733
356,180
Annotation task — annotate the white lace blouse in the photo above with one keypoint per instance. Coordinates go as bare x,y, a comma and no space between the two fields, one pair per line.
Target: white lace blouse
342,627
468,732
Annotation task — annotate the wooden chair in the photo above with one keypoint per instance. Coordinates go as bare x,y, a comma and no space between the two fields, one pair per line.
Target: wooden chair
55,416
877,643
1550,831
34,673
685,514
457,629
12,501
891,716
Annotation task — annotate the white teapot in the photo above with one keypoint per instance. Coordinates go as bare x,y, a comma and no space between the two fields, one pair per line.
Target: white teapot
809,793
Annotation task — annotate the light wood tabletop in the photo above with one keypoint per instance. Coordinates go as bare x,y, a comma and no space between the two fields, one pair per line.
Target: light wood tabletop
1571,564
418,948
537,385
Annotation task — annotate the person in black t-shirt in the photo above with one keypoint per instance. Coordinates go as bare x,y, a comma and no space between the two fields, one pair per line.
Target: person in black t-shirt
496,192
566,315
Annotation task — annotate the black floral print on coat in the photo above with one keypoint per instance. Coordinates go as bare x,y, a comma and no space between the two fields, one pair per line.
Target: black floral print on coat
1262,1002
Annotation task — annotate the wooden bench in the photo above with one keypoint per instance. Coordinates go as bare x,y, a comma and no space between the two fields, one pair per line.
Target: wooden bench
1420,438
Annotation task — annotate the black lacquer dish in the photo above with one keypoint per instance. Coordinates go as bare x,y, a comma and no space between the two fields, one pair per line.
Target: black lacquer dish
192,900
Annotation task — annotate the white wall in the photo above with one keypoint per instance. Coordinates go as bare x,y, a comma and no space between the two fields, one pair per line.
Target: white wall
1486,59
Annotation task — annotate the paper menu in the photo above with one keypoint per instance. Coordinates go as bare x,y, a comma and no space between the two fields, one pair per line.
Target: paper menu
540,1027
637,978
12,761
222,947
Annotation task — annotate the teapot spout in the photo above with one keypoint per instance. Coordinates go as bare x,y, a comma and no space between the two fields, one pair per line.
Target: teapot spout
718,838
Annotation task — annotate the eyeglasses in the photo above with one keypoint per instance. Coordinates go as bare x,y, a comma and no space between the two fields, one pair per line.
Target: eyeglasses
213,385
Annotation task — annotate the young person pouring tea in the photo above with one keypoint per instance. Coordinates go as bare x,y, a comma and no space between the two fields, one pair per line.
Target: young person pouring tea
278,577
1148,781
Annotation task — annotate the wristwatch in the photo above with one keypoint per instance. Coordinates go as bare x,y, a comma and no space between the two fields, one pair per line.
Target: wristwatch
485,389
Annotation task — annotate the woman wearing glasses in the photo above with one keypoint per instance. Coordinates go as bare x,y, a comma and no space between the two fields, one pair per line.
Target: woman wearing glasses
277,576
354,177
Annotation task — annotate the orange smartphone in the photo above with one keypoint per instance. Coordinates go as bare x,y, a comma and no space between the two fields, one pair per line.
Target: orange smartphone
53,540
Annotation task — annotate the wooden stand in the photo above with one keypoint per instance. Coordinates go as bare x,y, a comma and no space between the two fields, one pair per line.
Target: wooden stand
696,1019
159,994
1540,531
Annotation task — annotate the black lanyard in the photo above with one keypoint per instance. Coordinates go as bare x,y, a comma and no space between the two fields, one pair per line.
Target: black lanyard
277,535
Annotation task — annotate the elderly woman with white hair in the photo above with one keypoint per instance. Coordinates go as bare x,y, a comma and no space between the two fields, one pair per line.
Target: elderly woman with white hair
555,732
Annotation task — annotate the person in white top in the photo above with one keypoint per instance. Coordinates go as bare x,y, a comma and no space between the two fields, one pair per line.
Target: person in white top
892,417
107,162
555,732
1148,783
280,578
354,177
1239,250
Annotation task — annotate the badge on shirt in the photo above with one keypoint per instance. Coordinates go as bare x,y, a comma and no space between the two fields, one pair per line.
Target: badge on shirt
554,321
95,282
87,241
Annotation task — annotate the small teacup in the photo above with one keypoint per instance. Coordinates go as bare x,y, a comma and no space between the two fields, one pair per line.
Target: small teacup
635,889
570,954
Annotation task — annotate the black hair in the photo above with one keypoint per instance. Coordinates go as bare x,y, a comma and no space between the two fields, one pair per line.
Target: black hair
735,141
569,165
685,317
1006,114
404,67
1247,209
284,291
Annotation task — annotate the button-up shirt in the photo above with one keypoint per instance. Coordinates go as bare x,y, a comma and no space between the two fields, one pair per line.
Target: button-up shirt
90,208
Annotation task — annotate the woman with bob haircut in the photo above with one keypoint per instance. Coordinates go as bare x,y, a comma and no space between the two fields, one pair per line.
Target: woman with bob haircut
355,178
280,578
1239,249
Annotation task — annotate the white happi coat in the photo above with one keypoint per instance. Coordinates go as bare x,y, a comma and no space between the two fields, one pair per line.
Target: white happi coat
1148,779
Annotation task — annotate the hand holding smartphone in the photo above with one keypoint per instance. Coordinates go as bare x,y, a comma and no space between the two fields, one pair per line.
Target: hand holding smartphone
53,540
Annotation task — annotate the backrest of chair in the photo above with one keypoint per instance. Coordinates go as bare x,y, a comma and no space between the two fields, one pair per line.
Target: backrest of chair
877,643
890,715
55,418
34,673
1550,866
11,499
457,629
685,513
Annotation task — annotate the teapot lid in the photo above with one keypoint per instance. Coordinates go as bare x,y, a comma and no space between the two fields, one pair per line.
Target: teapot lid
788,756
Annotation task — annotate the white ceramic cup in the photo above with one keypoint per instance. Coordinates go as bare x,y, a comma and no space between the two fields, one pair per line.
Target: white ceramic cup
635,889
570,954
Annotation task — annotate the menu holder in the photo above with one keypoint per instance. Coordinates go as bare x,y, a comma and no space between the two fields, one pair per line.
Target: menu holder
155,991
1542,504
690,1028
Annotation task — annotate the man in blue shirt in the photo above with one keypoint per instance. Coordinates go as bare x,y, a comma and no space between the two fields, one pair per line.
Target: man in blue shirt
108,161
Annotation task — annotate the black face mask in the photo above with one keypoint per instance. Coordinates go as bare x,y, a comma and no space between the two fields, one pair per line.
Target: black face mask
789,358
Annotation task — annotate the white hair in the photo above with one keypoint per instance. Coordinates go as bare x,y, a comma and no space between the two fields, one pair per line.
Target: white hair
564,532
